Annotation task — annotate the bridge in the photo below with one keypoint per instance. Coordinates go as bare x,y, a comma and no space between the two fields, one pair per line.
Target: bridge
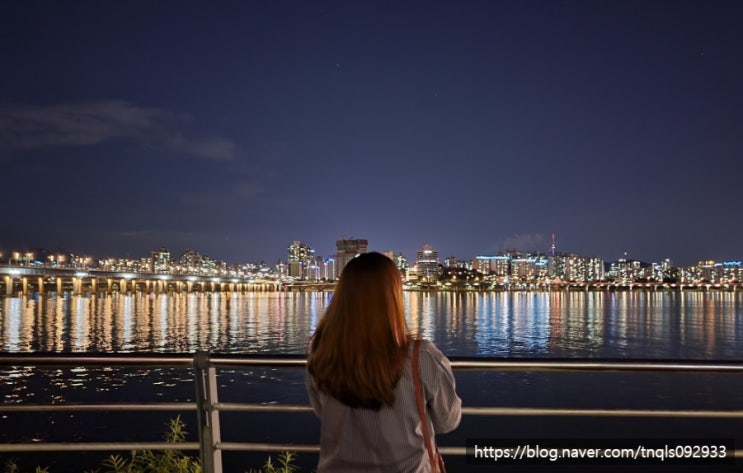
41,279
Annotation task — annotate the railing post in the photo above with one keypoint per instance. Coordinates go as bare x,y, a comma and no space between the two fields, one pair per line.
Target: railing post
207,417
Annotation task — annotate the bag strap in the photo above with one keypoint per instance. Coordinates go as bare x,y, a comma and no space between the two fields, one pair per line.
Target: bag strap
421,404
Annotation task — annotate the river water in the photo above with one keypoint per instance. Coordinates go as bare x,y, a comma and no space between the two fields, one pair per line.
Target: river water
633,324
582,325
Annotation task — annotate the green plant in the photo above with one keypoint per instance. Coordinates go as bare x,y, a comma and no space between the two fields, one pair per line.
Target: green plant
167,461
148,461
285,465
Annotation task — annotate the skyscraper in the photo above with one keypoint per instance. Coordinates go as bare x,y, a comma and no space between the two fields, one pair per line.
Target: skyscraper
426,264
346,250
301,257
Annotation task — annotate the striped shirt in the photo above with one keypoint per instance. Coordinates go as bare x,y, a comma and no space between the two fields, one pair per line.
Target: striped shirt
391,439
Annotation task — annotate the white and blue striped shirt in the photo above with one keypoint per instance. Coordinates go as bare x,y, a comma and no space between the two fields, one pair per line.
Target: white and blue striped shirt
388,440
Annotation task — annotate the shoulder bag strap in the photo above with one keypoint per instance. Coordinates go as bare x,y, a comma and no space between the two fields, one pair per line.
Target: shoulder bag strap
422,405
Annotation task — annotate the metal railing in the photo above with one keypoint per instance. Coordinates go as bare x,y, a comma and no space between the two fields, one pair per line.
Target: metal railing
208,407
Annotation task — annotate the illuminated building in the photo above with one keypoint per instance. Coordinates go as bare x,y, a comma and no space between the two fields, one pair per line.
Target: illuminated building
732,271
594,269
495,265
327,269
192,262
426,265
625,270
523,268
300,258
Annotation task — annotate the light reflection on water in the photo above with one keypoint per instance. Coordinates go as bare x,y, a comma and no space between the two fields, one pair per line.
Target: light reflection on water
639,324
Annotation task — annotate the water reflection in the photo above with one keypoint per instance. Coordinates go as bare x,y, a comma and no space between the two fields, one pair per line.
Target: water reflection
637,324
690,325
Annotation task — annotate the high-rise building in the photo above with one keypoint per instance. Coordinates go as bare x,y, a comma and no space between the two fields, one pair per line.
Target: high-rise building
160,262
192,262
300,258
327,269
575,268
402,264
496,265
426,265
594,269
523,268
556,267
346,250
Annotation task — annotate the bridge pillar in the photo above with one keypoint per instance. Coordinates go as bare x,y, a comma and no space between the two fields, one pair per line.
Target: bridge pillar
122,286
24,283
41,285
110,283
189,286
59,285
76,285
8,285
93,285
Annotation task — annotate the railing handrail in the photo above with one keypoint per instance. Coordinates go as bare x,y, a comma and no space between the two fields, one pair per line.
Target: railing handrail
299,361
208,406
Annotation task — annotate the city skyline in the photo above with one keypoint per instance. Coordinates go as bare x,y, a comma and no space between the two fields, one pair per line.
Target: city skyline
236,128
300,250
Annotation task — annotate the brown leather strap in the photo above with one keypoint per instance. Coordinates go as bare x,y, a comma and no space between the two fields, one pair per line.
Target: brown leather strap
422,405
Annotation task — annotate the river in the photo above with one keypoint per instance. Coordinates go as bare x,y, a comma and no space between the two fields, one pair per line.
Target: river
691,325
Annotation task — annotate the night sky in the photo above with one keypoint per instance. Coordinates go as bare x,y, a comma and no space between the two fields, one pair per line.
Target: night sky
236,127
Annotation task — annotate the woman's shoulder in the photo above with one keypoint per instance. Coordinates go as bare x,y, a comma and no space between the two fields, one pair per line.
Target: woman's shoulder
429,349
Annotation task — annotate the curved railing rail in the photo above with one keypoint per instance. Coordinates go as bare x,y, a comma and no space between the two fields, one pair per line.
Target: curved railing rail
208,407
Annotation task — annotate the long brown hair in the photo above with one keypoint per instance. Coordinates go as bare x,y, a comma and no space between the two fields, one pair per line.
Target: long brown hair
360,346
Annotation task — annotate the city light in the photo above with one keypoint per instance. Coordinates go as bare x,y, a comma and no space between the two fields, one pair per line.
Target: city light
508,270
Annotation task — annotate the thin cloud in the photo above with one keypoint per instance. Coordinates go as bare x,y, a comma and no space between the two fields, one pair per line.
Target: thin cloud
526,242
94,123
215,148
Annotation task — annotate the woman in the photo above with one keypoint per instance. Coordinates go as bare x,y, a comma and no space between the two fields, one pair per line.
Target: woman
360,377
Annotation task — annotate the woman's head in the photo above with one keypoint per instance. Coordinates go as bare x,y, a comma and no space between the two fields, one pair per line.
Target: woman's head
360,346
369,293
